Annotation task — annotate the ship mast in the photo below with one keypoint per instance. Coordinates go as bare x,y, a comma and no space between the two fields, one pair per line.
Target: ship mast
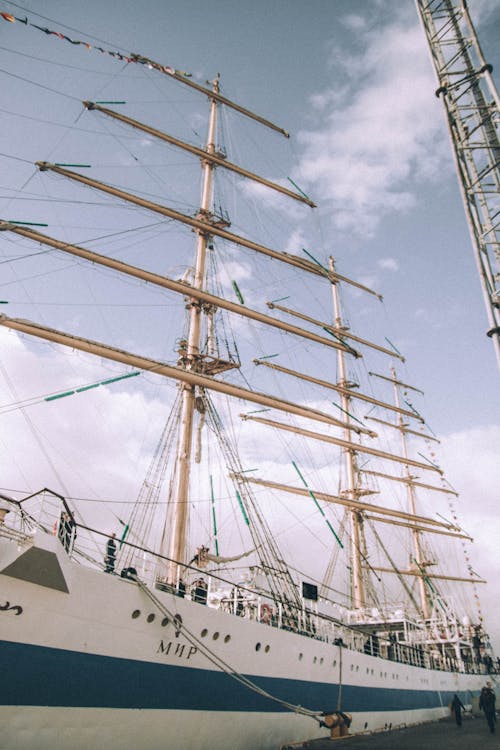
351,492
178,528
416,534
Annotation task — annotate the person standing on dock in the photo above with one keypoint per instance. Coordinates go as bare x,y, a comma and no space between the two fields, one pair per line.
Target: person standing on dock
457,707
487,704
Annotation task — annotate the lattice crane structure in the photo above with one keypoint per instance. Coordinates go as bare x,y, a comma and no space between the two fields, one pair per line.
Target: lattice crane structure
472,107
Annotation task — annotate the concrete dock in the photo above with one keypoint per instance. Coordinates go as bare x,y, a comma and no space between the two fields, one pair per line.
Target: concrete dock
440,735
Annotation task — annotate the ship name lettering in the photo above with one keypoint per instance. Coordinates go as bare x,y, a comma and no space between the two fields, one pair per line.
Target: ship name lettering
164,649
181,649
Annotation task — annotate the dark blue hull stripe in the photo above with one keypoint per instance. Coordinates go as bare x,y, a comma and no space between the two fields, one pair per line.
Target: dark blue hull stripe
39,676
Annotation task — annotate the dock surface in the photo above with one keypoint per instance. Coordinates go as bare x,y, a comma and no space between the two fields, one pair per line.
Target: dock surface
440,735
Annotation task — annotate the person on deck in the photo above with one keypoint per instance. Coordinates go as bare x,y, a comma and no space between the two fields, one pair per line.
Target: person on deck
199,591
457,707
4,509
110,559
65,531
487,704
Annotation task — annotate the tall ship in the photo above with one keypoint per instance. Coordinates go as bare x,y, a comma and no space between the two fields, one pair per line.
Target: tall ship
290,549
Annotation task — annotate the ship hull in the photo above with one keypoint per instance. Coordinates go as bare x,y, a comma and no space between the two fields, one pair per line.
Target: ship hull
101,664
42,728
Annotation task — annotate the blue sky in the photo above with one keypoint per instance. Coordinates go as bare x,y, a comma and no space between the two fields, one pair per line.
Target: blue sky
353,83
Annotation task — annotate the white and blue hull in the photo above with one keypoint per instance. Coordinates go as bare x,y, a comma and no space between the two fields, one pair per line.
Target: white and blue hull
79,671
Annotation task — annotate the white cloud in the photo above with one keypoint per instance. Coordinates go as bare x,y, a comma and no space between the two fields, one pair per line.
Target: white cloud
381,132
470,457
353,22
481,11
234,271
111,425
389,264
265,196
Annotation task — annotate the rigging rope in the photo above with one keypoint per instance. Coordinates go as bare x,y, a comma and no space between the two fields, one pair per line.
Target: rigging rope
143,513
394,566
270,556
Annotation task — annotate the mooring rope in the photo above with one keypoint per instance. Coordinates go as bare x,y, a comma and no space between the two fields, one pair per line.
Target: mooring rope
221,664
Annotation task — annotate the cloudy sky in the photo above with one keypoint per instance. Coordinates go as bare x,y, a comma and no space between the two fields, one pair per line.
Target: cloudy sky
353,83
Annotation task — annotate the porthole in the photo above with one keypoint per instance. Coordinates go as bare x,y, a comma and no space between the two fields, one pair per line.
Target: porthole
227,638
357,667
215,636
204,633
301,656
315,660
258,646
334,663
352,667
366,725
150,617
135,614
267,649
367,670
165,622
321,660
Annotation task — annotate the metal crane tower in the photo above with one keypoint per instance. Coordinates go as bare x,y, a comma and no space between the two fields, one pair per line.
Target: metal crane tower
472,107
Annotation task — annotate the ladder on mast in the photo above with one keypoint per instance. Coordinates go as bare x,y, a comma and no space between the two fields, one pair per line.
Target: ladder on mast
472,108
